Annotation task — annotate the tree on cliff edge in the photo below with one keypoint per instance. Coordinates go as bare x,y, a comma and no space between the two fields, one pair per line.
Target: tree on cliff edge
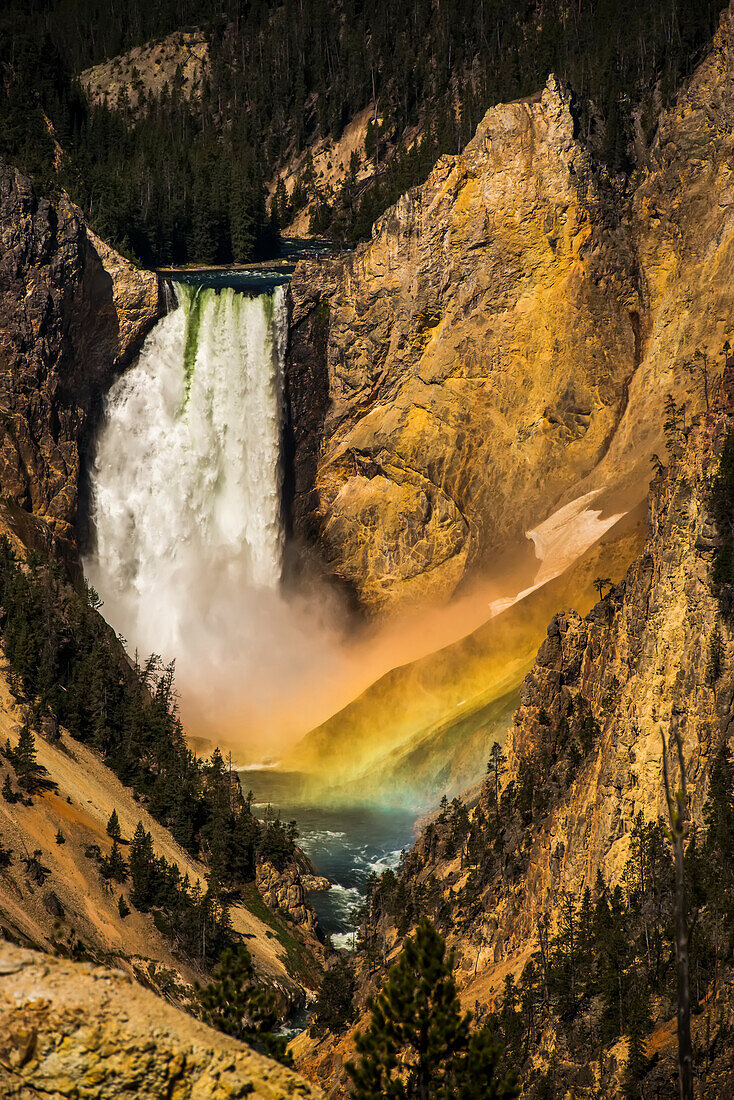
679,829
419,1045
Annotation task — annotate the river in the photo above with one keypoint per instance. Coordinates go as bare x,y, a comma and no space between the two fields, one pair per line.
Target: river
345,843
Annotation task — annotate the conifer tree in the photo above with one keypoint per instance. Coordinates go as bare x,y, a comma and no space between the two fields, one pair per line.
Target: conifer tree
638,1024
113,826
418,1044
234,1003
114,865
495,768
333,1008
7,791
25,761
142,869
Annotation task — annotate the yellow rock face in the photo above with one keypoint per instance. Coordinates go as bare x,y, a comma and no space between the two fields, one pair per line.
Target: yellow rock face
478,355
506,341
74,1030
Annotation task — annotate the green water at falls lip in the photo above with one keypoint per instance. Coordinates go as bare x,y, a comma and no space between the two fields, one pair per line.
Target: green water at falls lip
191,303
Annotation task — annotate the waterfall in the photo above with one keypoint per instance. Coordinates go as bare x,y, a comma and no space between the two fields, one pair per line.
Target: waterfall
186,484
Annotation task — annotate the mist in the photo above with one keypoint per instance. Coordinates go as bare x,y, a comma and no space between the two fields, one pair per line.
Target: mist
186,503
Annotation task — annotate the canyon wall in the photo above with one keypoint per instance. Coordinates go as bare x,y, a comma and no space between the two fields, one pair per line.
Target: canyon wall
639,662
505,341
638,665
72,313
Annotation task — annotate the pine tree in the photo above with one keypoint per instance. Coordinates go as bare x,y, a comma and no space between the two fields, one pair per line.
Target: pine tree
113,826
6,856
114,865
234,1003
495,768
25,760
333,1008
7,791
142,869
418,1044
638,1025
122,907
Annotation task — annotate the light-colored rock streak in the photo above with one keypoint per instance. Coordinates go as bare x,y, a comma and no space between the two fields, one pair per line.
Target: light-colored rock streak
560,541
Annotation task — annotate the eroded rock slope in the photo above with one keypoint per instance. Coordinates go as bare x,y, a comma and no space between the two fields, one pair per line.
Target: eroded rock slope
505,342
74,1030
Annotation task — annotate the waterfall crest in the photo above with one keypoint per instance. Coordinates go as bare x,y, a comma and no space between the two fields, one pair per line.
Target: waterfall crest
186,486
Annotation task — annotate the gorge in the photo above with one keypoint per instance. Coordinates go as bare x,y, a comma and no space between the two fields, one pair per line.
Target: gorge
435,532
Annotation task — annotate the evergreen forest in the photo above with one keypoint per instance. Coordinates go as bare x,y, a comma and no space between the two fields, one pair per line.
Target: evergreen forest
178,179
66,667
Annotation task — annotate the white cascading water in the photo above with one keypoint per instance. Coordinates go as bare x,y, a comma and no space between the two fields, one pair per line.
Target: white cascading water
186,496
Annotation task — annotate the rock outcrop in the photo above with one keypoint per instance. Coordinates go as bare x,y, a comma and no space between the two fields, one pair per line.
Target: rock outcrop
74,1030
284,891
488,317
505,341
72,313
180,60
639,662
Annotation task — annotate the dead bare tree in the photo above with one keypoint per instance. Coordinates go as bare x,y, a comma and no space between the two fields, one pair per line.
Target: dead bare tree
679,824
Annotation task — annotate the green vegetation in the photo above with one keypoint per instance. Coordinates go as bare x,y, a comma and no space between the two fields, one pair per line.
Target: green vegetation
233,1002
31,775
6,856
333,1009
113,826
175,180
65,662
608,970
419,1044
601,583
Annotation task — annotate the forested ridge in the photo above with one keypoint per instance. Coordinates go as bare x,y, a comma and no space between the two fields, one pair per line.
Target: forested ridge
66,667
180,180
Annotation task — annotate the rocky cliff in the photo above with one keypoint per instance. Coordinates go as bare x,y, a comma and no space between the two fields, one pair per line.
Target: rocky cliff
639,663
504,343
72,313
585,759
73,1030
